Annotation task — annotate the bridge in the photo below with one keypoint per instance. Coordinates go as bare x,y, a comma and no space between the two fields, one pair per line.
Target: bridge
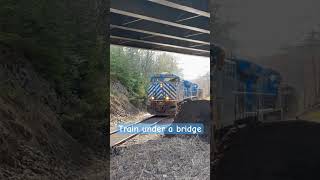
180,26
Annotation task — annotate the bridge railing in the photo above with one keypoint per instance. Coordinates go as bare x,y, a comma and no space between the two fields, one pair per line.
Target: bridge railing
255,104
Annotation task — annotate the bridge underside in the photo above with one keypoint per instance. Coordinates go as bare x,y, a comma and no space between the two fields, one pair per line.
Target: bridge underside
180,26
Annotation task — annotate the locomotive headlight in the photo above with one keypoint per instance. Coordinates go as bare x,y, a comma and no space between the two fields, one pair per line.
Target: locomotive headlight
161,85
167,98
152,98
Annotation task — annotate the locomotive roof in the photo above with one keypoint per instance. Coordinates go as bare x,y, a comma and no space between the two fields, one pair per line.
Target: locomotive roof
189,84
180,26
254,69
165,75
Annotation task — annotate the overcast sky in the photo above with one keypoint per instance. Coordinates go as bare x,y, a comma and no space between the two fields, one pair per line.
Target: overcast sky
264,26
193,66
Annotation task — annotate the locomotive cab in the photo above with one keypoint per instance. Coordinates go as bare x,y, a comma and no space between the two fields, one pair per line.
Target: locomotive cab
163,94
166,91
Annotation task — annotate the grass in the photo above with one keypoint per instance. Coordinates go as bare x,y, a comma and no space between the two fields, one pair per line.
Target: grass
315,115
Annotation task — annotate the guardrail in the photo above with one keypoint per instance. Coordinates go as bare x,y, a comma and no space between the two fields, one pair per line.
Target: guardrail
256,104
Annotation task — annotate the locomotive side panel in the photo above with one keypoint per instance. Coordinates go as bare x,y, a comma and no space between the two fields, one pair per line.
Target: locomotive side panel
227,99
246,89
229,85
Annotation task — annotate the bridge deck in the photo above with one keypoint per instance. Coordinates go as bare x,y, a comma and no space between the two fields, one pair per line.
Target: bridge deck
180,26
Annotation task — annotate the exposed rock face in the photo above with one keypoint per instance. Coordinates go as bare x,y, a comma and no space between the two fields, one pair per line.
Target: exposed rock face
117,86
120,105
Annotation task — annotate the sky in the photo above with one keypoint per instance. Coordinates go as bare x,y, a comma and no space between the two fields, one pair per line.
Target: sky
193,66
265,26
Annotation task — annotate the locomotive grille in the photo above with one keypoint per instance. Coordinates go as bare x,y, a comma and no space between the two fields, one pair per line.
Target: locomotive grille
161,90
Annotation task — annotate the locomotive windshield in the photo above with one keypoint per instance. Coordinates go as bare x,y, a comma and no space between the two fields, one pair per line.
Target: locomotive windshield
165,79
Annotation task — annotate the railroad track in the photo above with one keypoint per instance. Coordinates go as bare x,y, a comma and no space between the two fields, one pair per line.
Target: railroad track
145,119
117,139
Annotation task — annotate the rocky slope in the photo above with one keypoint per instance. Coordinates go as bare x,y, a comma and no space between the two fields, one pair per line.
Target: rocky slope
119,101
33,145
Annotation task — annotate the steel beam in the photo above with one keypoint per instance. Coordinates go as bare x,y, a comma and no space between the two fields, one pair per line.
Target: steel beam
131,22
190,35
158,48
118,19
188,18
153,34
139,16
160,44
181,7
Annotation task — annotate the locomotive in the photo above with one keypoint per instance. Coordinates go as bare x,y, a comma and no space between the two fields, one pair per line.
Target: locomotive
244,92
167,90
247,90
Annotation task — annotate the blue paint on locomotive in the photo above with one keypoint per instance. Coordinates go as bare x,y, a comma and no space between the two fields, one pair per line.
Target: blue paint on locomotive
252,74
256,79
165,91
190,89
161,89
194,89
168,85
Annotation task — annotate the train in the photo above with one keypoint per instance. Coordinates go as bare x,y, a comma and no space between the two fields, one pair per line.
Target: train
244,93
167,90
246,90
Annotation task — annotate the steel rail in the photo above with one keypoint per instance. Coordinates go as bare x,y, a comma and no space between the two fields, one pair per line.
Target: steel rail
147,118
136,134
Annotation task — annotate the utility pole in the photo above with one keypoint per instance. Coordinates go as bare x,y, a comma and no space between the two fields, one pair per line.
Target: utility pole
310,43
314,66
314,44
318,41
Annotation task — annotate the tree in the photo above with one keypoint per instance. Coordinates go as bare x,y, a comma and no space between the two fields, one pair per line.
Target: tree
64,41
133,68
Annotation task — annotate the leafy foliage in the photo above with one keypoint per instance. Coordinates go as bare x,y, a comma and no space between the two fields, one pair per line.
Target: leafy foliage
134,67
64,40
222,29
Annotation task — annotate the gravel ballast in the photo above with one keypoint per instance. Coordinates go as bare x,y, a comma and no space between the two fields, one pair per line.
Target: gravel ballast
163,158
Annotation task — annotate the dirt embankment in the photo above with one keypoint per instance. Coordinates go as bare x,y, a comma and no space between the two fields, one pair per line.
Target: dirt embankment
33,145
197,111
120,105
121,109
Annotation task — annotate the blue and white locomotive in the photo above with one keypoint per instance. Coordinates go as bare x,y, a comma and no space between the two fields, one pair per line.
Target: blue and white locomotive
246,91
166,91
243,93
